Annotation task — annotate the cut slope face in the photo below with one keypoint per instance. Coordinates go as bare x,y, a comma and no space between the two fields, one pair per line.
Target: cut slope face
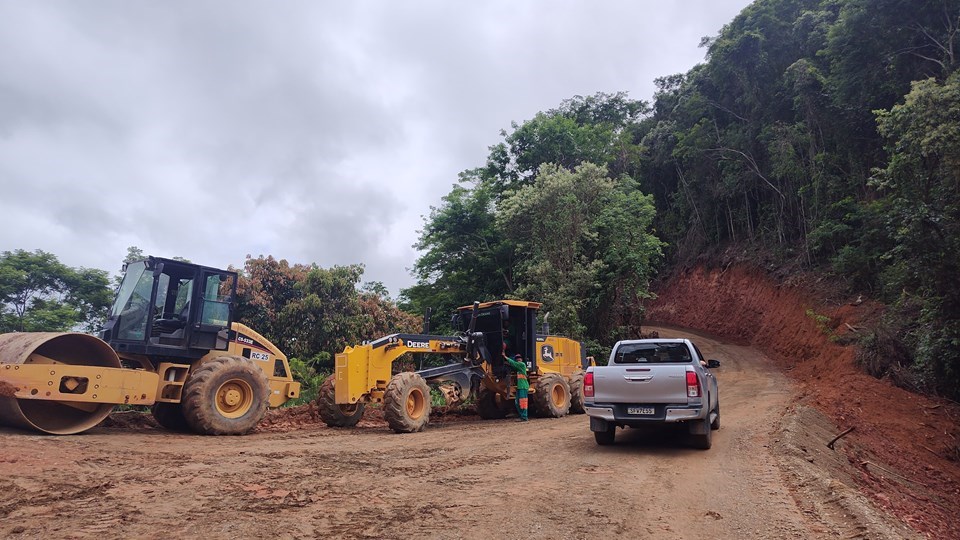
904,447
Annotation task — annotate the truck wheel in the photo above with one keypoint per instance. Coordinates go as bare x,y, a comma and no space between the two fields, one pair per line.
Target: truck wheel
226,395
491,405
337,415
703,441
606,438
716,422
576,393
406,403
552,398
170,416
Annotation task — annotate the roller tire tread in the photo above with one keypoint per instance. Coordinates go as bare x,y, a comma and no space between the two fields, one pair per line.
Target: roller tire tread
199,396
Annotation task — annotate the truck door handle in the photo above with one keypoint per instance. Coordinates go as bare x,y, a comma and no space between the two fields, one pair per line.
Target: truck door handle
640,378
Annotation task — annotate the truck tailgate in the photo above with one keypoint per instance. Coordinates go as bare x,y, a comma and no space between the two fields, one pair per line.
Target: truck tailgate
661,383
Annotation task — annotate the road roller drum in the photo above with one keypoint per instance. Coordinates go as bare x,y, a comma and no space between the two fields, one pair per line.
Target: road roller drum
31,398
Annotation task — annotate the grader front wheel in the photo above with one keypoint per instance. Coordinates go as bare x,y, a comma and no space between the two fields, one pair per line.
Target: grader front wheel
406,403
226,395
337,415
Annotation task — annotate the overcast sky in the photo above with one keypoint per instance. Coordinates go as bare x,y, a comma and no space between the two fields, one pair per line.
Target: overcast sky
311,131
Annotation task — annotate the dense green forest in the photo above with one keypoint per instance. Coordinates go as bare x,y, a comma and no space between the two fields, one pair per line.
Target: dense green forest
824,134
818,134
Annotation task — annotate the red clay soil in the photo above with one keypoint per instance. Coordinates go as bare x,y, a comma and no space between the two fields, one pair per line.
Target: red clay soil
904,446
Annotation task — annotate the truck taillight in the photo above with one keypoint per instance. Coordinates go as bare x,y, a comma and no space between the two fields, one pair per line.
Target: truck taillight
693,384
588,385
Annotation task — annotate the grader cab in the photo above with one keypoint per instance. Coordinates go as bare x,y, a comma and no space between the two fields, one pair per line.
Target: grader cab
170,343
475,369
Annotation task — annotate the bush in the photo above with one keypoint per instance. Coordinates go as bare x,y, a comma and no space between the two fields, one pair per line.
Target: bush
310,374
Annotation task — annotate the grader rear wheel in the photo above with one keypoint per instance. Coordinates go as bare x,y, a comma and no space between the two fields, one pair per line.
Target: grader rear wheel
170,416
491,405
227,395
552,398
406,403
576,394
337,415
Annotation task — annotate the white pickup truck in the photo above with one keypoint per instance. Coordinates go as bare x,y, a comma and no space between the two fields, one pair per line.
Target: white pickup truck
653,381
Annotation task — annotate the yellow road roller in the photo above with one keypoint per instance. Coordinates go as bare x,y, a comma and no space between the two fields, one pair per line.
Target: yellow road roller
170,343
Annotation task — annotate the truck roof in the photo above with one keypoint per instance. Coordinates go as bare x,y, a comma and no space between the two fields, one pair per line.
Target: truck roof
652,340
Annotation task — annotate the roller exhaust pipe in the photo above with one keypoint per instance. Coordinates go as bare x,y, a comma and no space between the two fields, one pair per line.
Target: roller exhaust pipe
48,416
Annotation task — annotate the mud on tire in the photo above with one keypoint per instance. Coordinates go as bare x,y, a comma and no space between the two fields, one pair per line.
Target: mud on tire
226,395
552,398
406,403
170,416
337,415
576,393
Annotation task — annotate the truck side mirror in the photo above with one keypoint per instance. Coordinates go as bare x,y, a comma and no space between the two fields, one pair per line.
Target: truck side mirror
713,364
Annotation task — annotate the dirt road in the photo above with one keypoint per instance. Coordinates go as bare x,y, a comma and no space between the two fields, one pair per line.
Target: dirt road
466,479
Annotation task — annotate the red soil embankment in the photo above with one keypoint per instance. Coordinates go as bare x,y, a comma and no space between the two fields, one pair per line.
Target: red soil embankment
798,328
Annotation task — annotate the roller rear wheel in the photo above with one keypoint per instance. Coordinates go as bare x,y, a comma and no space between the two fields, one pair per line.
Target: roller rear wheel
170,416
227,395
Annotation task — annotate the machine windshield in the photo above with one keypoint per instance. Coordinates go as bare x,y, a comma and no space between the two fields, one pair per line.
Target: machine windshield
132,300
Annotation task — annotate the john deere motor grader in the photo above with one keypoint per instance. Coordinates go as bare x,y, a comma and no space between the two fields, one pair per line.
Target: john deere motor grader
170,342
476,368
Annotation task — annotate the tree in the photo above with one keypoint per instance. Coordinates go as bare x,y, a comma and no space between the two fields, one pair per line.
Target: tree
40,294
921,183
585,248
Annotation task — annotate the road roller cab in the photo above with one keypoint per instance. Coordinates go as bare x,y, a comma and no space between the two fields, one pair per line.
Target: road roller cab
171,309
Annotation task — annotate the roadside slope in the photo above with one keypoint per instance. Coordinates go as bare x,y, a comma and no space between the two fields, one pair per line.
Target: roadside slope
897,435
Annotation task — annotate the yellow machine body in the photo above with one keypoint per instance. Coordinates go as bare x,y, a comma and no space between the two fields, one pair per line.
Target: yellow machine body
362,372
62,383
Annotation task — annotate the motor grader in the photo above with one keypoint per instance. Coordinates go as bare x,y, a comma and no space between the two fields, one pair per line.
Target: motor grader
485,333
170,343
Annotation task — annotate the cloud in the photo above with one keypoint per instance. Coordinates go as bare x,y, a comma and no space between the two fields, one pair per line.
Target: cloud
315,132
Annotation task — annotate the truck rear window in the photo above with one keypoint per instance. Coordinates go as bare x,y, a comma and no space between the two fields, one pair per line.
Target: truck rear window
652,353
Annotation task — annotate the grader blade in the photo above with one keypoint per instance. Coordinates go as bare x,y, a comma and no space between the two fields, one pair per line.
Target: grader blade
61,415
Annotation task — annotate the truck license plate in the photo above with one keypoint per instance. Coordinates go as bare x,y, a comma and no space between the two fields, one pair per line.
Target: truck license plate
640,410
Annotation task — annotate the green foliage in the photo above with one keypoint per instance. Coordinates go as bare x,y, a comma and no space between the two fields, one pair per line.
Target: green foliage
572,235
40,294
309,376
312,312
772,141
588,251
